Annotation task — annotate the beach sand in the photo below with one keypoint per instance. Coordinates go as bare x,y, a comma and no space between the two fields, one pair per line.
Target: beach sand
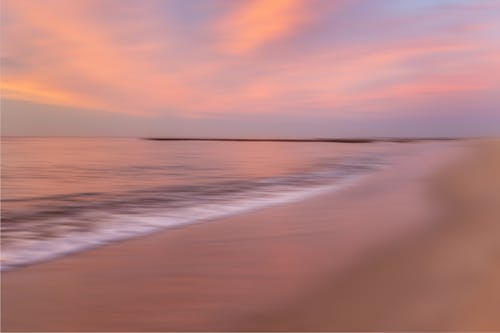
447,279
415,246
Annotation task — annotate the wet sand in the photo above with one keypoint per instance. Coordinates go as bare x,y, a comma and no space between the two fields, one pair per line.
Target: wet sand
446,279
412,247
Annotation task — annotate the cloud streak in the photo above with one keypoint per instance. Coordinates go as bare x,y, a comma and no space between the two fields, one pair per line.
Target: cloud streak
253,24
282,57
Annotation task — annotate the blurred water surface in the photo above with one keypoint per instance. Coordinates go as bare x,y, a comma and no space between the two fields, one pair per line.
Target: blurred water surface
61,195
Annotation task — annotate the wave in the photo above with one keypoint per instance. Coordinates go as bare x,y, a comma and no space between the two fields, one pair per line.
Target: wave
64,224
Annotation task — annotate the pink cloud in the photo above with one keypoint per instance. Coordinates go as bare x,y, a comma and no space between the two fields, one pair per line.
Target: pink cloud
67,55
254,24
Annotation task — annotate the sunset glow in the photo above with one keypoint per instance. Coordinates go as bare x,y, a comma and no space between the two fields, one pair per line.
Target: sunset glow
326,60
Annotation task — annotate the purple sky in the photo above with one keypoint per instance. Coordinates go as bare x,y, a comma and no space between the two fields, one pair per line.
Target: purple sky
273,68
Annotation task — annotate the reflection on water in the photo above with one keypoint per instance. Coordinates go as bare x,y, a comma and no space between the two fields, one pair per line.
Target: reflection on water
64,194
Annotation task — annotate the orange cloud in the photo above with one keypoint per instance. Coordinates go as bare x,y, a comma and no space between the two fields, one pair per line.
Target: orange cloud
260,22
67,55
34,92
87,68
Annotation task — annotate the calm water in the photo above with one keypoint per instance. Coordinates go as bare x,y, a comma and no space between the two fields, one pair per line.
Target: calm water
61,195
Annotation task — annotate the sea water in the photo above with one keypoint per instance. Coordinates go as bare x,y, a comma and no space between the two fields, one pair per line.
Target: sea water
64,195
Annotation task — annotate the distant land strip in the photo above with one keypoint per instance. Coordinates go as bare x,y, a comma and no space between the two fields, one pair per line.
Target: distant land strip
338,140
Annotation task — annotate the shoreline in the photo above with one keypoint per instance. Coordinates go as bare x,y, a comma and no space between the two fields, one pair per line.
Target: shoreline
244,206
211,276
45,251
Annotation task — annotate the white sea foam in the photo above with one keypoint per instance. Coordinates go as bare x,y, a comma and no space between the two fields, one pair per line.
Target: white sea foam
90,203
124,226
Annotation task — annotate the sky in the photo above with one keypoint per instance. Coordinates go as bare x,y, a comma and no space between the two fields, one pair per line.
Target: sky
251,68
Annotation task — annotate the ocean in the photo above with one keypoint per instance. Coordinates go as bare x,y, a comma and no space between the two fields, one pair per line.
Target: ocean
64,195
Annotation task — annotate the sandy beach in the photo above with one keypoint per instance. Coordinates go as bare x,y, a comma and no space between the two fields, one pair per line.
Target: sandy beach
413,247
